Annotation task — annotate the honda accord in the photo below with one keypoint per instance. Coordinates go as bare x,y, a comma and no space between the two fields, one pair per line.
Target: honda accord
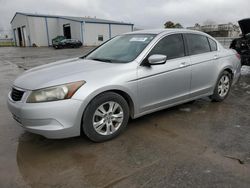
127,77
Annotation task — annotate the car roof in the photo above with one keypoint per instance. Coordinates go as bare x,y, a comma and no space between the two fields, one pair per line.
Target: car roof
165,31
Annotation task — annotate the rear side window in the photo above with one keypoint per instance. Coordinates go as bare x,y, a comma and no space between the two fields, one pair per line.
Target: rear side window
213,44
197,44
172,46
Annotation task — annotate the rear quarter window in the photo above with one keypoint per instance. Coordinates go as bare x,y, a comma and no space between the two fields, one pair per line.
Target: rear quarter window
197,44
213,44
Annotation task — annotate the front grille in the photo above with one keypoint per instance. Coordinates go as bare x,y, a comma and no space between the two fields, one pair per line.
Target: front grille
16,94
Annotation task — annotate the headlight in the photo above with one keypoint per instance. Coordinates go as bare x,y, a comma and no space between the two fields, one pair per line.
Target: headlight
55,93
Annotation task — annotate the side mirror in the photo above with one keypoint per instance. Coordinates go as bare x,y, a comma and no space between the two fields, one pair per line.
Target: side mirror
157,59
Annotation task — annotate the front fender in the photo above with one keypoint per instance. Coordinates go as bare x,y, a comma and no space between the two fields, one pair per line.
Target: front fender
86,95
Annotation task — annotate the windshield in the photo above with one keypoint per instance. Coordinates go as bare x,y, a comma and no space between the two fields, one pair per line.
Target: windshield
121,49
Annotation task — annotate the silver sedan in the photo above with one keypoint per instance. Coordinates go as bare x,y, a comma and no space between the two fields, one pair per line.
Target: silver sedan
127,77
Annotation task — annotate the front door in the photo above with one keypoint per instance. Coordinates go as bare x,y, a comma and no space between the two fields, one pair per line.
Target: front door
165,84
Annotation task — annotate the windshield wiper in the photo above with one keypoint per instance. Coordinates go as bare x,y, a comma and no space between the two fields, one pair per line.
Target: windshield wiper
103,60
106,60
83,57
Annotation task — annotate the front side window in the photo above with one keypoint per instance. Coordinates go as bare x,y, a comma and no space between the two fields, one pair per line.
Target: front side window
121,49
172,46
197,44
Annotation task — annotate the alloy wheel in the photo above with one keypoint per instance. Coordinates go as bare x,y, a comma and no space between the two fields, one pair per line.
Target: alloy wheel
224,86
108,118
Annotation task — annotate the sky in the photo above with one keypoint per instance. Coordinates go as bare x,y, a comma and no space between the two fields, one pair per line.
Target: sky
143,13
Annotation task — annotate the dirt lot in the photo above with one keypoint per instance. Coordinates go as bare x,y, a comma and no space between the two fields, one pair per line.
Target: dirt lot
202,144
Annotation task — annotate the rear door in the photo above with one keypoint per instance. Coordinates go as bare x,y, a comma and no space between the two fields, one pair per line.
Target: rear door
204,58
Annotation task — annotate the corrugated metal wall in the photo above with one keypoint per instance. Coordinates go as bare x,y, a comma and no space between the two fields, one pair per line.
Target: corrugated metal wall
39,31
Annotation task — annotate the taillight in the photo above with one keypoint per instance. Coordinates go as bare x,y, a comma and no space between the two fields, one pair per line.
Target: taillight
238,56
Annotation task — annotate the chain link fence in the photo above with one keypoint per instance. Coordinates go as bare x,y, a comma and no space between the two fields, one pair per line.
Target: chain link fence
7,42
225,41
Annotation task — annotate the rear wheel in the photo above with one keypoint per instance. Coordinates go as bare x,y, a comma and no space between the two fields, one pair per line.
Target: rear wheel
105,117
223,87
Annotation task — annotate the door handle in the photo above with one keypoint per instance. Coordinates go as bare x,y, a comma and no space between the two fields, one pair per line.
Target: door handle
216,57
183,64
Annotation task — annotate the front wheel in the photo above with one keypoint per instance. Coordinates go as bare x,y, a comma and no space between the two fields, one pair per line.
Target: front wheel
105,117
222,87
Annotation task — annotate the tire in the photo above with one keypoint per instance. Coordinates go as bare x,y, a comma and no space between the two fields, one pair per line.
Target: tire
222,88
99,122
191,102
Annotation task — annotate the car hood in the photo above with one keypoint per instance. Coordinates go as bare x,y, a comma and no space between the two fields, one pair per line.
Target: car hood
245,26
61,72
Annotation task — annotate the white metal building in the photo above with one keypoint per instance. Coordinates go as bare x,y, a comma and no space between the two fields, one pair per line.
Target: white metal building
39,30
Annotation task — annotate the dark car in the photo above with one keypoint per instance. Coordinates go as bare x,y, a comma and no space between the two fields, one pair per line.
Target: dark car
242,45
68,43
56,40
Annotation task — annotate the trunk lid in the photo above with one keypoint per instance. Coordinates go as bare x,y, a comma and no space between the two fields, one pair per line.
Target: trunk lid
245,26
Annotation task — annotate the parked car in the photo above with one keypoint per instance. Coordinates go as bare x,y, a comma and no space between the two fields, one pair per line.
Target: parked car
68,43
129,76
58,39
242,45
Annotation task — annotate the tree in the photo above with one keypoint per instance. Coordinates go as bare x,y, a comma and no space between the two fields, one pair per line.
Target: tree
197,25
170,24
178,25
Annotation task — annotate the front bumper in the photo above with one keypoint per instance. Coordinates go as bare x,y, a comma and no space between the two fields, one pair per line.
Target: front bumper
59,119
